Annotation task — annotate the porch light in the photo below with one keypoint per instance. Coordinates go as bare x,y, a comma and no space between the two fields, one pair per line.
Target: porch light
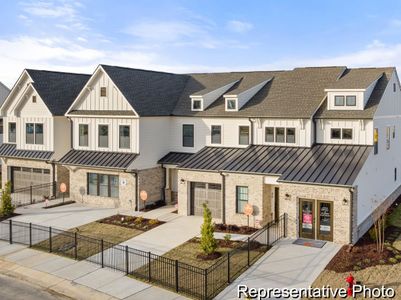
287,196
182,180
345,201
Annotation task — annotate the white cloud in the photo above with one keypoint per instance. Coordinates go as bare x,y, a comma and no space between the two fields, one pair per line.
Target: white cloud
49,9
239,26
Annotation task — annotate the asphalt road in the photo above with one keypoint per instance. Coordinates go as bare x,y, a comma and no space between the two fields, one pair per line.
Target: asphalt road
15,289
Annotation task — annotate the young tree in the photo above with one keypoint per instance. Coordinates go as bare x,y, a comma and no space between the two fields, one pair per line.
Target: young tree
208,242
7,208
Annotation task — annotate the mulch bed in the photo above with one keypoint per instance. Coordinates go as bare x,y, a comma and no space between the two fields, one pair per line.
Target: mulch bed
59,204
234,229
2,218
231,243
132,222
212,256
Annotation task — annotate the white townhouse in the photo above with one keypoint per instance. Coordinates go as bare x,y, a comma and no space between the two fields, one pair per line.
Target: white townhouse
36,132
319,144
4,91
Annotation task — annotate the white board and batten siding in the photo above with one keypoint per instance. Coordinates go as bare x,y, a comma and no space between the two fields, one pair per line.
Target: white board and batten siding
362,131
113,123
90,98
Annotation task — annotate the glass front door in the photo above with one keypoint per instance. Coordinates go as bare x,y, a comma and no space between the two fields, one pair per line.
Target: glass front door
325,221
307,219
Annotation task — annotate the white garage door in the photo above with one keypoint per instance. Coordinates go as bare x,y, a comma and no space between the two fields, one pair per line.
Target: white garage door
209,193
25,177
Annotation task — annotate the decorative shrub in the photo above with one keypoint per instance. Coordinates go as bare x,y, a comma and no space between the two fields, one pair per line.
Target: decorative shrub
208,242
227,237
153,222
7,208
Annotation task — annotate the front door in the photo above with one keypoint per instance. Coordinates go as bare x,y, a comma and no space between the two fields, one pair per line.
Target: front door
325,220
307,218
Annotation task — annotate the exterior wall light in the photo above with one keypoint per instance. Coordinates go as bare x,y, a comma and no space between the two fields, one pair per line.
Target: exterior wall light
182,180
345,201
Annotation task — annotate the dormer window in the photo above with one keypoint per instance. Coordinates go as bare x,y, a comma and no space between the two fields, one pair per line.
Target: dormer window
339,101
103,92
350,101
196,105
231,104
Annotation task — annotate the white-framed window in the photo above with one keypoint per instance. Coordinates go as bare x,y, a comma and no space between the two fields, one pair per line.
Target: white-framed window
187,135
335,133
350,100
197,105
280,135
231,104
269,134
241,198
243,135
103,185
215,134
103,91
290,135
12,132
339,100
33,99
83,133
34,133
103,136
341,133
124,137
346,134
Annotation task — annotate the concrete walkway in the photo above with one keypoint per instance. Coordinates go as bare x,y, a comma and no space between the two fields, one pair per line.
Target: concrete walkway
75,279
285,265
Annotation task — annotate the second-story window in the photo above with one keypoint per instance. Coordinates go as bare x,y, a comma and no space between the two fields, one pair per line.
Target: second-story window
341,133
216,134
350,100
196,104
103,136
187,135
339,100
269,134
34,133
124,137
290,135
336,133
103,91
83,135
280,135
12,132
244,135
231,104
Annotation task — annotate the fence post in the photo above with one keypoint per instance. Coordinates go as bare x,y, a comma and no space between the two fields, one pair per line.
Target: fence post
176,276
149,266
102,250
11,231
30,235
76,246
228,267
249,252
285,225
50,239
30,194
206,297
126,260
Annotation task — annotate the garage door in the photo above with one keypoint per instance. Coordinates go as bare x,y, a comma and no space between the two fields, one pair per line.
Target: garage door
25,177
209,193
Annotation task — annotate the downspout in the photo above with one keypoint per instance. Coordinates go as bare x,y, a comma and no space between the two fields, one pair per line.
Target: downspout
71,133
135,173
252,138
164,184
54,187
223,196
351,222
314,132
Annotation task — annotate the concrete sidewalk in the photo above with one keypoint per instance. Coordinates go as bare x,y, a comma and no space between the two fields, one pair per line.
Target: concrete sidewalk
75,279
285,265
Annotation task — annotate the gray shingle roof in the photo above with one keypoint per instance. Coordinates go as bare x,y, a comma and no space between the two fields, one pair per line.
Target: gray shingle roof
371,105
10,150
174,158
321,164
113,160
57,89
359,78
150,93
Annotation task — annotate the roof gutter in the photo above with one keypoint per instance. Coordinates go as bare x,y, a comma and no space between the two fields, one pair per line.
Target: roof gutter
252,135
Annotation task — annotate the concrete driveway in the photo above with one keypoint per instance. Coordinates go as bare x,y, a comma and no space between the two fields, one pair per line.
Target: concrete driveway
284,266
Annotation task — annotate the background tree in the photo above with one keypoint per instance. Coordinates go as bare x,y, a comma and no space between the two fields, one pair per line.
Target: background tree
7,208
208,242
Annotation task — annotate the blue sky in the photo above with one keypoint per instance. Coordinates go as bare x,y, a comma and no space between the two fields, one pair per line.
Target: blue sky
196,36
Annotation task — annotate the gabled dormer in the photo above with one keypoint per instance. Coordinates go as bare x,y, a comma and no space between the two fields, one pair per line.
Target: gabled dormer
353,89
204,98
238,97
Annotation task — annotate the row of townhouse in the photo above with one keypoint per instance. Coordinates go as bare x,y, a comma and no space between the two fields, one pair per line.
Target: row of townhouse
319,144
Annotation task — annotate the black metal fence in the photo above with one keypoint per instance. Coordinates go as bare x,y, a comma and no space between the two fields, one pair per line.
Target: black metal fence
35,194
172,274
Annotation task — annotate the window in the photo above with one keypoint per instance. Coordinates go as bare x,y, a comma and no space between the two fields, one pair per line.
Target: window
103,136
103,92
244,135
347,134
12,132
351,100
30,133
1,126
124,141
83,135
290,135
336,133
395,174
34,99
39,134
231,104
269,134
375,141
216,134
187,135
196,104
339,100
103,185
394,87
242,198
280,132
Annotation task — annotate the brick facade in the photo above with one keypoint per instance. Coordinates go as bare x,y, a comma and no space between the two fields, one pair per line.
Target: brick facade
152,181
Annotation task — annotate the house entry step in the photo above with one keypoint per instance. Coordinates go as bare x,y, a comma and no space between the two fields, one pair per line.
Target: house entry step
309,243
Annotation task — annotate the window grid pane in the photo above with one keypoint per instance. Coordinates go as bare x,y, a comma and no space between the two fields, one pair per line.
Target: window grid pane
290,135
83,135
347,134
30,138
339,100
269,134
92,184
12,132
124,137
187,135
351,100
244,135
336,133
216,134
39,134
280,135
103,136
242,198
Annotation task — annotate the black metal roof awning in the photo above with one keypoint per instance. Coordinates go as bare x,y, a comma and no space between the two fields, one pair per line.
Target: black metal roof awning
174,158
321,164
11,151
98,159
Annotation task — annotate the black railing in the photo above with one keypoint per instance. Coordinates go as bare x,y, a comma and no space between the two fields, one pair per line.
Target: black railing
172,274
34,194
